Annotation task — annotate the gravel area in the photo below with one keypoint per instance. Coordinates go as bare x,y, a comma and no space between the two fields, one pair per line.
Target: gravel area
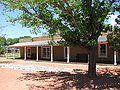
34,68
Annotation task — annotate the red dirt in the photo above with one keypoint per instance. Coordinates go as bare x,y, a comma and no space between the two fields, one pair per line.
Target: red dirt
108,77
9,81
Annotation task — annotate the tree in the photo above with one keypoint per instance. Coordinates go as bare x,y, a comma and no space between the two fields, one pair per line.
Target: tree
2,40
114,36
11,41
2,44
78,22
118,20
24,37
114,39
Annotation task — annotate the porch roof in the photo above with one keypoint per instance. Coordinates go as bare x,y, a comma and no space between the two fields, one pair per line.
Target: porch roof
35,43
40,43
102,39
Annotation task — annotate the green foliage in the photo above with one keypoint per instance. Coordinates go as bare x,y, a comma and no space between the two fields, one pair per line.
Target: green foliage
24,37
1,50
2,44
10,41
91,44
78,22
2,41
114,39
114,36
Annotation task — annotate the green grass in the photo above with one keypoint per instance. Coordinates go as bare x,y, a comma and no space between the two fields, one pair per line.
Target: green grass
16,55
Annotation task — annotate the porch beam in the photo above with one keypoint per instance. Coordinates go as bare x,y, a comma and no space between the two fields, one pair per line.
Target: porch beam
25,53
37,53
68,54
115,57
51,53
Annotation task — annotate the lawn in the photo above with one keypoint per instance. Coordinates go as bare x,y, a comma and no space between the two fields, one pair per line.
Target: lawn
11,55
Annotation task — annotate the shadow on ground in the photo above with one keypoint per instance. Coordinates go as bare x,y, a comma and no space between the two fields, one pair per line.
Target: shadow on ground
106,79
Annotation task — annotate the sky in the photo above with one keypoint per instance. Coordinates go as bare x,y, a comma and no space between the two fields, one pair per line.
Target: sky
112,19
13,31
16,31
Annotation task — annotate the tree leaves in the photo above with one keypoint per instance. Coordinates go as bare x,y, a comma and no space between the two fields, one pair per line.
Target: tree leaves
78,22
114,36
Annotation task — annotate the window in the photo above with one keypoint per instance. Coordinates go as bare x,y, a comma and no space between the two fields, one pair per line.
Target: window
29,52
46,52
65,52
102,52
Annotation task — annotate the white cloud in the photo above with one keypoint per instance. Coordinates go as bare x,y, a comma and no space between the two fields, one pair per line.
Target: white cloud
112,19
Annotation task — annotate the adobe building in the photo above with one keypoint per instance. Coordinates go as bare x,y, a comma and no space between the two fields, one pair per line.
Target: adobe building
38,48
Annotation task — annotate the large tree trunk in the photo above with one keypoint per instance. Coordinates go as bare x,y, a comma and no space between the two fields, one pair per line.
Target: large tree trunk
92,63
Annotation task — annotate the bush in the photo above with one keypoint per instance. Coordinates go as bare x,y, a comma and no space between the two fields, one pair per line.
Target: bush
1,50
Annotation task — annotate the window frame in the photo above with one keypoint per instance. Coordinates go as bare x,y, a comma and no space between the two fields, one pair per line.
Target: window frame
29,53
45,52
106,54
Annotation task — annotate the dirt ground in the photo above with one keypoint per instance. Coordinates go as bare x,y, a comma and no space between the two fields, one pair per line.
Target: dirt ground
108,77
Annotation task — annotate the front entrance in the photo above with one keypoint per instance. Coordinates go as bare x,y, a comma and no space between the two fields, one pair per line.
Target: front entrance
46,52
28,52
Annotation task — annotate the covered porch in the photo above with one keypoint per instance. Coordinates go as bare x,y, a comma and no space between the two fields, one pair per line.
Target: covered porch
41,50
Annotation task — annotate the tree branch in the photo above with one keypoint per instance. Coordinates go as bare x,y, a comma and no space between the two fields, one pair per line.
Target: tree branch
69,13
26,10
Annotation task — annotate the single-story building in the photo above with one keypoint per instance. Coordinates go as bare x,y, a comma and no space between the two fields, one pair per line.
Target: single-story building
38,48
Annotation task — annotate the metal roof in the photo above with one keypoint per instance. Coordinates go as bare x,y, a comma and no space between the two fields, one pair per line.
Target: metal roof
40,43
35,43
102,39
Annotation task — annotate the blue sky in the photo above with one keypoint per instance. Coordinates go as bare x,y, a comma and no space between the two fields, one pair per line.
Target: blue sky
15,31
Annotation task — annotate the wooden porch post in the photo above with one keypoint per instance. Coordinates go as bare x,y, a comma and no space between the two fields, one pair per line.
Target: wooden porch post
25,53
51,53
37,53
13,53
115,57
88,57
19,53
68,54
6,53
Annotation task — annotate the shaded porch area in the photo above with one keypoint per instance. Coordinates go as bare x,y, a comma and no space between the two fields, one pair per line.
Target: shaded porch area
42,50
53,53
